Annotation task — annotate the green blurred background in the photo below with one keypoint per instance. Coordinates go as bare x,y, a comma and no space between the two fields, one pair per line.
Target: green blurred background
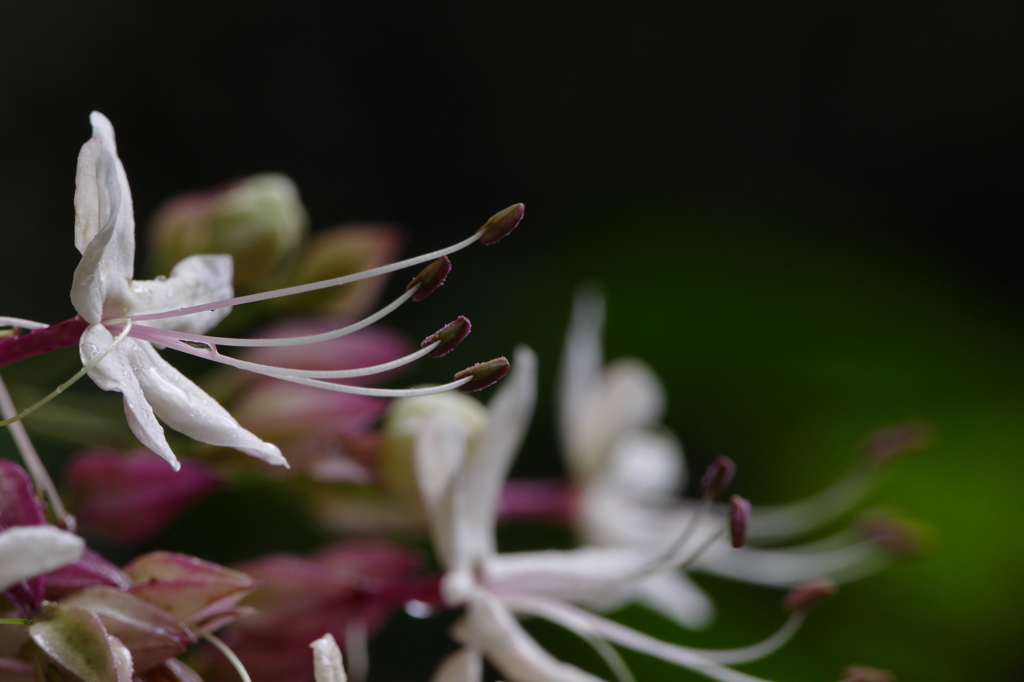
801,213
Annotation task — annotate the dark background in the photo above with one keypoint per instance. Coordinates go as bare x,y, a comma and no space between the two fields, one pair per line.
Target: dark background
804,216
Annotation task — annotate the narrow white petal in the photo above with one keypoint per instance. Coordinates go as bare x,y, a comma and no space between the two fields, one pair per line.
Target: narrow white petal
511,411
677,597
590,574
28,551
194,280
646,466
187,408
491,628
116,373
327,664
439,454
580,373
104,226
124,667
464,665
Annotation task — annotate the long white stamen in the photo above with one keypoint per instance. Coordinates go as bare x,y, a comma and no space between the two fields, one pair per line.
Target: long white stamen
611,658
785,521
21,323
281,372
376,392
709,662
167,335
315,286
228,654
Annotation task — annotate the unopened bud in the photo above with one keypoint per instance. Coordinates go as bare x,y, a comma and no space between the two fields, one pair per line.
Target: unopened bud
809,594
500,224
739,519
894,533
448,337
259,220
483,374
430,278
863,673
717,477
890,441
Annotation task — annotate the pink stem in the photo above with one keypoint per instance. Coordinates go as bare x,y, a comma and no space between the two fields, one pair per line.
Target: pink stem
39,341
538,500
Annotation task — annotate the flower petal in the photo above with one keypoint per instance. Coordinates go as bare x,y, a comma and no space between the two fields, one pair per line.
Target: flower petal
115,372
187,408
104,225
194,280
27,551
484,476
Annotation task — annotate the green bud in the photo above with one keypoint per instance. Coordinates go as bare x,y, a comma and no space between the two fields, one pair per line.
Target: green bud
403,423
259,220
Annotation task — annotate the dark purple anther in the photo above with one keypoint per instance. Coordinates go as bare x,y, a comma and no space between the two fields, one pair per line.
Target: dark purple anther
483,374
501,224
430,278
449,336
717,477
808,594
739,519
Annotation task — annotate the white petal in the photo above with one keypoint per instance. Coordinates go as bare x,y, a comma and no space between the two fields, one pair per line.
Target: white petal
123,664
629,397
677,597
646,466
439,454
464,665
28,551
491,628
194,280
484,477
116,373
580,373
327,665
187,408
104,226
590,574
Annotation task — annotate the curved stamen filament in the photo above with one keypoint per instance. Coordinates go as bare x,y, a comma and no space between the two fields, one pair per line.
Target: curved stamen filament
709,662
283,372
315,286
228,654
167,335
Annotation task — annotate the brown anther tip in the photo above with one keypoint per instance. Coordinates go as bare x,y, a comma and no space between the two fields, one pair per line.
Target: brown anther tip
501,224
893,533
809,594
430,278
889,442
739,519
863,673
483,374
448,336
717,477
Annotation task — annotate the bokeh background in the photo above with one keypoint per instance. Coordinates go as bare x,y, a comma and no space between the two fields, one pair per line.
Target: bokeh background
804,216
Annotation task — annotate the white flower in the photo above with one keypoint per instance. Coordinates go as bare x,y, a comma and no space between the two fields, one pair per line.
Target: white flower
104,290
629,470
28,551
461,478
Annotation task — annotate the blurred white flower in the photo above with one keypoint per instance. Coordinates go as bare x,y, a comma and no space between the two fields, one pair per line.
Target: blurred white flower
629,471
461,475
